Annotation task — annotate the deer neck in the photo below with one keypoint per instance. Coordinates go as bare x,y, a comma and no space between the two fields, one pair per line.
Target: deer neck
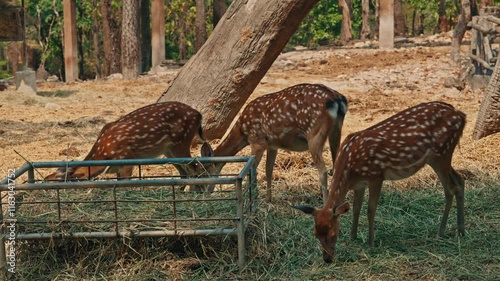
341,175
233,143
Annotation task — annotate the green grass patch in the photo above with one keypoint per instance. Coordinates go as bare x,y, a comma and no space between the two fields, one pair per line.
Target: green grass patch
280,246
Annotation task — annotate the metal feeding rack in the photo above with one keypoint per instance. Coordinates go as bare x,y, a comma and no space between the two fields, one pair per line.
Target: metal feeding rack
147,205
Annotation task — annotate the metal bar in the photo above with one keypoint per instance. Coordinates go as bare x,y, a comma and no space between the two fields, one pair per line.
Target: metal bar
128,201
31,175
145,161
116,210
121,183
18,173
131,220
175,208
59,205
240,225
113,234
247,167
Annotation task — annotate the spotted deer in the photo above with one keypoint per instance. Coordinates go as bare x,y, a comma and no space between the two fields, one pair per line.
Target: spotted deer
393,149
297,118
159,129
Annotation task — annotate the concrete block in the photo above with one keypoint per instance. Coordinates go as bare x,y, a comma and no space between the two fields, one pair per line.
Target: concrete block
26,81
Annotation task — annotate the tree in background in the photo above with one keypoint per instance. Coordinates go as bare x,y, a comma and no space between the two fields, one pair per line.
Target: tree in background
145,36
219,9
111,37
365,18
399,19
201,24
131,51
346,29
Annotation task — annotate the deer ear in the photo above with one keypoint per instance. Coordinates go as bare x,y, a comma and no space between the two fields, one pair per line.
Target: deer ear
206,150
306,209
342,209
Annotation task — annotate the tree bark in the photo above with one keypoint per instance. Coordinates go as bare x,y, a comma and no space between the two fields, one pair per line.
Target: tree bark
220,8
488,118
131,52
219,79
201,25
111,39
399,18
365,15
459,32
346,29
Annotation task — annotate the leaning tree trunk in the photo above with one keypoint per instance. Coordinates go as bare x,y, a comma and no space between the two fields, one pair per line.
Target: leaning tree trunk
131,52
488,118
223,74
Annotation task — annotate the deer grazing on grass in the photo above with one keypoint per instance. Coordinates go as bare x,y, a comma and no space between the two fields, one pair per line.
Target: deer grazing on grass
393,149
159,129
297,118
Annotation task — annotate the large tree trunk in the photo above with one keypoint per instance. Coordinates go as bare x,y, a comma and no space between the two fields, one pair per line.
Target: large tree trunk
221,76
488,118
111,39
220,8
346,29
365,15
131,52
459,32
399,18
201,25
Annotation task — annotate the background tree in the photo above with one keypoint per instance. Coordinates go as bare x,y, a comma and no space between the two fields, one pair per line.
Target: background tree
399,19
459,32
130,39
145,36
346,30
443,19
201,24
111,37
365,18
219,8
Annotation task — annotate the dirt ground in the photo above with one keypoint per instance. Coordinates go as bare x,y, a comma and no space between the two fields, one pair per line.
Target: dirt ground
377,83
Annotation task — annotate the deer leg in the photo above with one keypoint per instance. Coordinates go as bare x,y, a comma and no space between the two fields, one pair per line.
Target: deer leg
258,151
459,195
359,194
316,145
270,159
375,187
442,167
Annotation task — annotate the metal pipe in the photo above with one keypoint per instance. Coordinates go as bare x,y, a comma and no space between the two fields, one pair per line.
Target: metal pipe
113,234
240,225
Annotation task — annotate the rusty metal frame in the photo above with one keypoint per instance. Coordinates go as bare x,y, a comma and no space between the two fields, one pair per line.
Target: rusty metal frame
245,197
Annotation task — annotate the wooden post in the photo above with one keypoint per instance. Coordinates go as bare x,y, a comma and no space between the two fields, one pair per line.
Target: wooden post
70,42
386,29
158,32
